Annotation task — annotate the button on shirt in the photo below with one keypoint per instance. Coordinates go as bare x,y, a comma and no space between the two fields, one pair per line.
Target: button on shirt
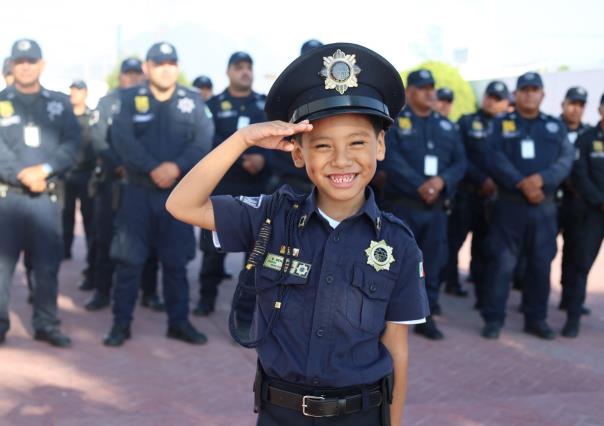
336,303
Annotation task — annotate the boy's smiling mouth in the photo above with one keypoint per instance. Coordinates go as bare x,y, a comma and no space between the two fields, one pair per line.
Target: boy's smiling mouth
342,180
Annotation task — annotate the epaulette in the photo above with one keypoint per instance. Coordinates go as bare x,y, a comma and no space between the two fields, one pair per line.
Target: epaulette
397,221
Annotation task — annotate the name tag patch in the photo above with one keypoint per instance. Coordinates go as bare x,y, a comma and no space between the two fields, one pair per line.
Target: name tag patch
297,268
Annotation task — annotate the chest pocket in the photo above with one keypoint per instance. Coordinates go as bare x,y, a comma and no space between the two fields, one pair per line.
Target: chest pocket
367,298
268,288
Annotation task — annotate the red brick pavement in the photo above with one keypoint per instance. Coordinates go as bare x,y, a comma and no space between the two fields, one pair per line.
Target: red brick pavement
463,380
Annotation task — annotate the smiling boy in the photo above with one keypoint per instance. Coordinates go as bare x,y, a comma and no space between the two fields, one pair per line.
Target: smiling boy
339,281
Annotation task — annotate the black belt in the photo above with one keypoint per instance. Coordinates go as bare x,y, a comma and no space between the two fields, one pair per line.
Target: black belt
51,189
143,181
468,186
517,197
413,203
320,406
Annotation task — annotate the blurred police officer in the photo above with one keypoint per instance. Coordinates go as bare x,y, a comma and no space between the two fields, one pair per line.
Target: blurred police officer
39,140
475,190
205,87
106,185
530,157
309,45
573,108
424,164
161,130
77,179
588,180
236,107
444,101
7,72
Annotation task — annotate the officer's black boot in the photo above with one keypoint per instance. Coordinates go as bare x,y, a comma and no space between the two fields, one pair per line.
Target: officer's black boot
204,308
54,337
572,326
455,289
87,283
153,301
186,333
563,307
97,302
539,329
429,329
117,335
491,330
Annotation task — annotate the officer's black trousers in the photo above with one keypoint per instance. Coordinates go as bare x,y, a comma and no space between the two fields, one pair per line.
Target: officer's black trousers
588,238
32,224
569,211
76,188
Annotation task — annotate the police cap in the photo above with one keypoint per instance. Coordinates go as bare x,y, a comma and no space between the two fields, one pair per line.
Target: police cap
202,81
334,79
497,89
26,49
445,94
529,79
162,52
240,56
309,45
131,65
420,78
576,94
78,84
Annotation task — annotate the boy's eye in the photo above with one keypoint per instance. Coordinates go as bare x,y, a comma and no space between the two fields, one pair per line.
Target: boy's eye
322,146
358,143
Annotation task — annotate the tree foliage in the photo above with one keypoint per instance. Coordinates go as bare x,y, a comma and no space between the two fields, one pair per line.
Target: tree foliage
446,75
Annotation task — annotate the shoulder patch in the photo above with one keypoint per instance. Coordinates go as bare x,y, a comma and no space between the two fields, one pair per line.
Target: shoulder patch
446,125
552,127
254,202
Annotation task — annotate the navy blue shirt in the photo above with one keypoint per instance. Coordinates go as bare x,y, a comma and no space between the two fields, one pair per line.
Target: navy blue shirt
473,129
231,113
409,141
146,132
100,121
551,154
337,304
588,171
59,132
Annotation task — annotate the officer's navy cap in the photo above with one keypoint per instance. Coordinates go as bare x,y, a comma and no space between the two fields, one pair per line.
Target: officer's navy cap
576,94
7,67
240,56
131,65
529,79
498,89
26,49
309,45
162,52
334,79
78,84
445,94
202,81
420,78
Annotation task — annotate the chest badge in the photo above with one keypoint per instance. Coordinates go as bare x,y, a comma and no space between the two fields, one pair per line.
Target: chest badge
508,126
379,255
340,71
141,103
6,109
598,146
186,105
477,125
404,123
54,109
226,105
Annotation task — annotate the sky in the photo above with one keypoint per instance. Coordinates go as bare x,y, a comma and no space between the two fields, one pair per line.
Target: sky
486,39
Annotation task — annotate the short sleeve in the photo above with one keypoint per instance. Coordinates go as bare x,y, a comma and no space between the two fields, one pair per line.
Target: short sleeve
408,301
238,220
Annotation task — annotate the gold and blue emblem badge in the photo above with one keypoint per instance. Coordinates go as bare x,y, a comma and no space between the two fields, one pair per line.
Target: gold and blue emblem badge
141,103
6,109
598,146
404,123
340,71
379,255
508,126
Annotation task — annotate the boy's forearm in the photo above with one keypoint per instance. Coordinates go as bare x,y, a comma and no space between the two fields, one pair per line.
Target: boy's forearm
190,197
399,392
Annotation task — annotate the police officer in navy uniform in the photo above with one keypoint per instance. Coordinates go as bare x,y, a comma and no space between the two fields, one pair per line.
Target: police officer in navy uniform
205,86
588,234
344,277
475,191
424,164
106,184
444,101
573,108
236,107
39,141
530,157
161,130
309,45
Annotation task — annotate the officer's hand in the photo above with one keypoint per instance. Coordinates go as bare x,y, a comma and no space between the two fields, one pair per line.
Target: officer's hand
535,180
32,175
272,134
430,190
38,186
488,187
535,197
119,171
165,174
253,163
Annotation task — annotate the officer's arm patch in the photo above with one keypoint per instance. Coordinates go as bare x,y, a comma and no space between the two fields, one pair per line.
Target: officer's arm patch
254,202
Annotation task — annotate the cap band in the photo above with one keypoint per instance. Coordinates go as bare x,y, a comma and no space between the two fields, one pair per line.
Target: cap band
339,102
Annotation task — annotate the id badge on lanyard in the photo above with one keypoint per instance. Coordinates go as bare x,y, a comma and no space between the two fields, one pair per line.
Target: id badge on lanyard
31,135
242,121
527,149
431,165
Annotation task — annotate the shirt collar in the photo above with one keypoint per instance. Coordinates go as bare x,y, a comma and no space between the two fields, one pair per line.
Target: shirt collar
369,209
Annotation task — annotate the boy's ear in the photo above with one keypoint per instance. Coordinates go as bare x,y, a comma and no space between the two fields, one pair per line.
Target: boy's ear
297,155
381,146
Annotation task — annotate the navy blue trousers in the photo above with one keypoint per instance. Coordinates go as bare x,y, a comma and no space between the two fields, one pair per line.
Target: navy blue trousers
31,224
76,188
517,228
143,226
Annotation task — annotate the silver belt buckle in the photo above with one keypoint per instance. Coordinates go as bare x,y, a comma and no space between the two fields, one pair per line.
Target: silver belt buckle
305,398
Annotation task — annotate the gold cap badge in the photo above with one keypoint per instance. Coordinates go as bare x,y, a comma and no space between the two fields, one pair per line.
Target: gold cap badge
340,71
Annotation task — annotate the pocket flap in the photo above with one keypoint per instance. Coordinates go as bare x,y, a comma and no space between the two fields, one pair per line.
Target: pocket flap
371,284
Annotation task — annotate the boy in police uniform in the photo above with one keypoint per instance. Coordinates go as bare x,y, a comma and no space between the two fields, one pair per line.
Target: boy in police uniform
344,278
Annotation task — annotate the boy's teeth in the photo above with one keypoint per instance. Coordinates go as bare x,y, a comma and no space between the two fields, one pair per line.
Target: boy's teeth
342,178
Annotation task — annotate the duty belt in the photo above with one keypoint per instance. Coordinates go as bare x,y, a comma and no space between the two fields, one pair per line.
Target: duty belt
142,181
413,203
517,197
52,189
